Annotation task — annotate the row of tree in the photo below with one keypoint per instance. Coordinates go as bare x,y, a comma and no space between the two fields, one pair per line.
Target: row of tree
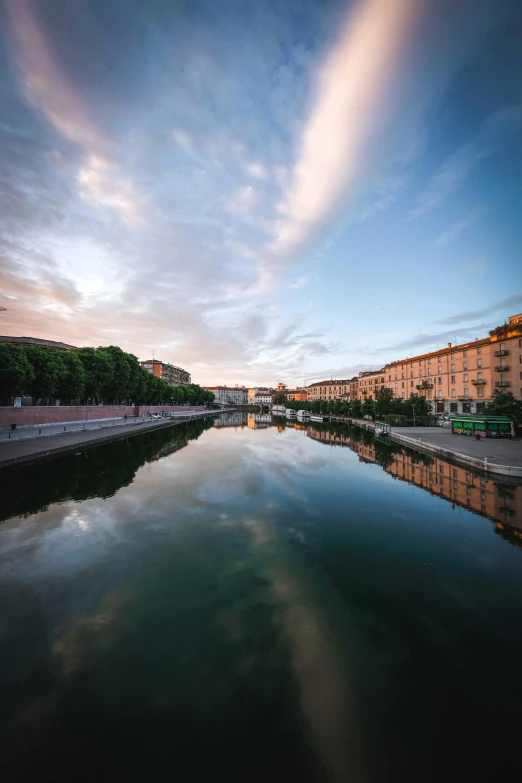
385,403
87,375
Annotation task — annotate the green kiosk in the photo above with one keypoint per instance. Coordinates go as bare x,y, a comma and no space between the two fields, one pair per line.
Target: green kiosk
482,426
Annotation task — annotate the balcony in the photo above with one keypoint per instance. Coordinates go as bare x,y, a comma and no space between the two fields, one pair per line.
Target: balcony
425,385
501,384
478,382
502,352
464,397
502,368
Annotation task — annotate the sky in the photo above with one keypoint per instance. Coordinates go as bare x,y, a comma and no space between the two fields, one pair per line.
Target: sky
260,191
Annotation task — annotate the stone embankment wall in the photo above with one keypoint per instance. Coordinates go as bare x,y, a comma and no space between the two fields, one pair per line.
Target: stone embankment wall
55,414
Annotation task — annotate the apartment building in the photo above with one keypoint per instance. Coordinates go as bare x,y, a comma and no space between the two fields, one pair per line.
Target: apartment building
462,378
176,376
369,383
354,388
327,390
260,396
299,395
229,395
456,379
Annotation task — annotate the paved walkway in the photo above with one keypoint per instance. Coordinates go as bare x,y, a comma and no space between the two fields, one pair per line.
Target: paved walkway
38,447
497,451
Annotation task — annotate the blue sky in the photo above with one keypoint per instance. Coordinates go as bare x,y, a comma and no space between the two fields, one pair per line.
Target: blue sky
264,190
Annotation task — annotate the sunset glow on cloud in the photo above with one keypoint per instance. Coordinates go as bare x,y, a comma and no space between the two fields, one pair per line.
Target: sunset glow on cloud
257,193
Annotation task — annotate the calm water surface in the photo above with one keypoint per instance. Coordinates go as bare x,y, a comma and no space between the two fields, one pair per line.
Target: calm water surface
255,602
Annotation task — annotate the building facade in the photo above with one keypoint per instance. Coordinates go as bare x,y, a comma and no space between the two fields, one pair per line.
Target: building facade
459,378
260,396
369,383
38,342
176,376
327,390
229,395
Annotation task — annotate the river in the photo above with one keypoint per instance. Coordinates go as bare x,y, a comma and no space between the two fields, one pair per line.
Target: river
250,599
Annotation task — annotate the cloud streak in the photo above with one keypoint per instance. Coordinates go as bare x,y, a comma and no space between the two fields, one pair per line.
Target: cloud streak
349,100
494,133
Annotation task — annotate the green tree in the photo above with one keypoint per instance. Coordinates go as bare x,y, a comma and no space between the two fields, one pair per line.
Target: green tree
422,406
356,409
49,371
383,402
16,373
280,399
72,382
368,407
505,404
98,371
116,388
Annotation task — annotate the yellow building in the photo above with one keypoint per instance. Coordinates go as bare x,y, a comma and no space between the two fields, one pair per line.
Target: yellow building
327,390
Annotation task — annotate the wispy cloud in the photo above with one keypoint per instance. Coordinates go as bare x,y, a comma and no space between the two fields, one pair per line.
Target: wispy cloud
458,227
493,134
350,93
504,305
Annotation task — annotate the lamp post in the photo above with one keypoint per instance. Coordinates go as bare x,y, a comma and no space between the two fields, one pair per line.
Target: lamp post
413,408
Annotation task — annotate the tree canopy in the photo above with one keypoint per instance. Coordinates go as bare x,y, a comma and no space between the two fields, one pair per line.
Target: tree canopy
88,375
505,404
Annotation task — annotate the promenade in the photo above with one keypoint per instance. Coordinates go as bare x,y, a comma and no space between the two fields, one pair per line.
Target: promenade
28,445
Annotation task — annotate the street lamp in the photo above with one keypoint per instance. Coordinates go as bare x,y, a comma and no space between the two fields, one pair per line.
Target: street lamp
413,408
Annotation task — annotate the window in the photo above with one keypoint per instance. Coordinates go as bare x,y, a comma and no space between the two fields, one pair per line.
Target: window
429,370
480,391
420,371
396,385
520,343
452,368
521,376
453,392
439,369
479,376
429,394
479,363
468,478
464,353
402,384
479,351
465,378
440,380
402,395
464,365
440,395
454,472
455,485
411,382
453,379
453,407
429,360
482,495
465,391
481,407
441,469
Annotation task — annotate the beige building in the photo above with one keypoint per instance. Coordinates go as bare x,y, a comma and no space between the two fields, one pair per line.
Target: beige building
229,395
369,383
327,390
459,378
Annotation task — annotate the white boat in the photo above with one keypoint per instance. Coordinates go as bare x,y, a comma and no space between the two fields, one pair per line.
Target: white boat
319,417
303,414
290,413
278,410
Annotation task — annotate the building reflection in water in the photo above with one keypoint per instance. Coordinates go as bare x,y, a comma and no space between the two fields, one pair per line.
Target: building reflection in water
499,500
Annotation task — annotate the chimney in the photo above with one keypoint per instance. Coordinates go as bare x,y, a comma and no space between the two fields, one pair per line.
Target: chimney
449,345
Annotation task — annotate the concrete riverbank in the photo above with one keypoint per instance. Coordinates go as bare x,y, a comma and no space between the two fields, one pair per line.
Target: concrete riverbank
30,449
492,455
